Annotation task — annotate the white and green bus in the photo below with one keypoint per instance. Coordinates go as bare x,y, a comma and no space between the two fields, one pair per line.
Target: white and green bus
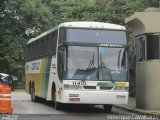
79,63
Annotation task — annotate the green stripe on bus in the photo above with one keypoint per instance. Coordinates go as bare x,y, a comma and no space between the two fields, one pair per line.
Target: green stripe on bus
46,74
105,84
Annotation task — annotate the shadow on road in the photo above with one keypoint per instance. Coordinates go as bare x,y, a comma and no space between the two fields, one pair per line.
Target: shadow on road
75,108
82,109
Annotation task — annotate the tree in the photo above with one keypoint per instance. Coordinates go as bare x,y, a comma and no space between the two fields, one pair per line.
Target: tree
20,20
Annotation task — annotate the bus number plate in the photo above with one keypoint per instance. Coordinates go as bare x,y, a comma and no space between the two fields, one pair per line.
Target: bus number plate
79,83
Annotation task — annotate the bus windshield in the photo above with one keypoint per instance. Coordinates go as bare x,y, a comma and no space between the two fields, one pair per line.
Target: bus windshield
95,63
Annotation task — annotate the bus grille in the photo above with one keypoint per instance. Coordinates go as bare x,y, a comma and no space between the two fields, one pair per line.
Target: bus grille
106,88
89,87
94,88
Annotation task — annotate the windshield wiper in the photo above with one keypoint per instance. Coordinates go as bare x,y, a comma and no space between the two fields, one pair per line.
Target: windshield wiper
91,63
105,70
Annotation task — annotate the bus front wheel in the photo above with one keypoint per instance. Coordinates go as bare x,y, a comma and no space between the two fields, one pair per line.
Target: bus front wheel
107,108
57,105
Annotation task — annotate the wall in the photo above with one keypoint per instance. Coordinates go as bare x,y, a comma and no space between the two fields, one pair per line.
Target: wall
148,85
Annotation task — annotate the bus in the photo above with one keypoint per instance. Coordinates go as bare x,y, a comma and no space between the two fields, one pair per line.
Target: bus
79,63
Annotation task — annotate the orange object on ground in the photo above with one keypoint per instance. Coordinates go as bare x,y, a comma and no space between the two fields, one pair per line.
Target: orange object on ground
5,99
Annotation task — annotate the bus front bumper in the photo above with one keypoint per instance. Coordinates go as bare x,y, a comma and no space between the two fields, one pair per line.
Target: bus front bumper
94,97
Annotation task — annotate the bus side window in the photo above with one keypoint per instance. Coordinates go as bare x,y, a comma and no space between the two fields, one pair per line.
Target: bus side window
27,52
38,48
32,50
54,41
50,44
60,63
42,47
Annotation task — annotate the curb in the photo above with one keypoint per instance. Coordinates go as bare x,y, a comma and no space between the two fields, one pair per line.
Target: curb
139,111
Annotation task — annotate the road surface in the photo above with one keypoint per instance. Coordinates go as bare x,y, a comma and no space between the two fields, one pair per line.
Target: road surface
25,109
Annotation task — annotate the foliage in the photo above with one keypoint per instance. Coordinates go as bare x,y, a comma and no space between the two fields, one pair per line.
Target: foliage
21,20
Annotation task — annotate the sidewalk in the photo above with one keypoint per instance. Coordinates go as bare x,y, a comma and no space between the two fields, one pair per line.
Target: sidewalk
131,106
20,95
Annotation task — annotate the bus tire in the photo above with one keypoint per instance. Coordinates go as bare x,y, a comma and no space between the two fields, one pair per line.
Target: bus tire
33,97
107,108
57,105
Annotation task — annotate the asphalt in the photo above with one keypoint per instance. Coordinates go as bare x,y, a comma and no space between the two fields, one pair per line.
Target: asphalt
131,106
24,109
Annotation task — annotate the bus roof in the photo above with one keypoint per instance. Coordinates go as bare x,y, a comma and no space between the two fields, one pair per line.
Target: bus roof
94,25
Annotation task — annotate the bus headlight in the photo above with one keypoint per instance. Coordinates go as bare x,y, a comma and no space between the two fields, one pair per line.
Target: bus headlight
71,87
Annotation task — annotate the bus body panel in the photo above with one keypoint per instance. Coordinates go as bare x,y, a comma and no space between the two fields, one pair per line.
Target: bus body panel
91,93
53,78
96,97
38,72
